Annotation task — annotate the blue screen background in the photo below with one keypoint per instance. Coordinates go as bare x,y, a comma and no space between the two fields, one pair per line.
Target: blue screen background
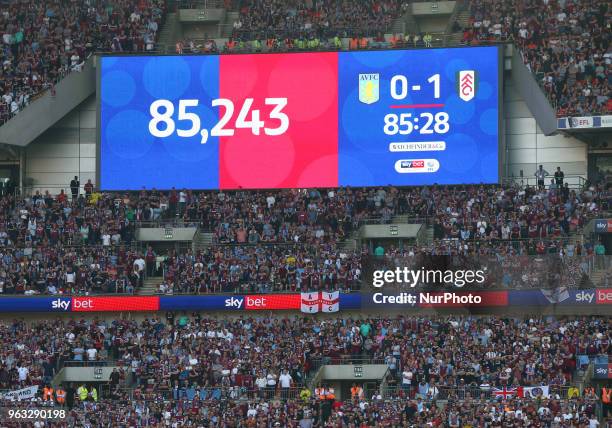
471,154
131,159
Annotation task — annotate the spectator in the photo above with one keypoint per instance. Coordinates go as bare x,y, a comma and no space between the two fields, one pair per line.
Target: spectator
541,175
559,176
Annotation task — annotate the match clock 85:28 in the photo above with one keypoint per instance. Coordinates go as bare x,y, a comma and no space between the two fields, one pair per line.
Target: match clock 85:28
425,123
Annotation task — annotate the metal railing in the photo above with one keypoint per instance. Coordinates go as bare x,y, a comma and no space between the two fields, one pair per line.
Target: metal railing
202,4
467,392
237,393
575,181
345,359
87,363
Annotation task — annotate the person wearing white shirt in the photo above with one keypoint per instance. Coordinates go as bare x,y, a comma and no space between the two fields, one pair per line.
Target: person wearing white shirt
407,379
261,383
23,373
271,384
92,354
252,412
285,381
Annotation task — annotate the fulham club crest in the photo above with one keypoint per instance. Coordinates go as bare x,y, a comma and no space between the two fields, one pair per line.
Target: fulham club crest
466,84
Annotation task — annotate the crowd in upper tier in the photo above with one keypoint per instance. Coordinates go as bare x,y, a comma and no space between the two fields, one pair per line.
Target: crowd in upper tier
322,18
285,240
43,41
253,371
566,44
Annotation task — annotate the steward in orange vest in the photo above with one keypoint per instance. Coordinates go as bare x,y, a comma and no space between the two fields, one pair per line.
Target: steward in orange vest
60,396
47,393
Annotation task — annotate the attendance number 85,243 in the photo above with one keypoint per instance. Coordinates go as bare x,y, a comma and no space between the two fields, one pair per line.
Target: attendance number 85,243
162,123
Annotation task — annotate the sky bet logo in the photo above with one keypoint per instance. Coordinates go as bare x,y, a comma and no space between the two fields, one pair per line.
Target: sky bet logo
585,297
416,165
234,303
60,304
413,164
247,302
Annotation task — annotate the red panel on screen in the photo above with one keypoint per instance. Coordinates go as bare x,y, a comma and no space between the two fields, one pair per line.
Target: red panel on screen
114,304
306,155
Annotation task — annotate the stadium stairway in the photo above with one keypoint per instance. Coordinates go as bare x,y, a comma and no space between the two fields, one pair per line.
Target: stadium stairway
462,19
167,35
227,28
349,244
149,286
202,240
405,23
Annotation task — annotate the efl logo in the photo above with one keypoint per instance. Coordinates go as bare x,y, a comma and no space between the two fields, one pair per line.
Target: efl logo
466,84
604,296
61,304
369,88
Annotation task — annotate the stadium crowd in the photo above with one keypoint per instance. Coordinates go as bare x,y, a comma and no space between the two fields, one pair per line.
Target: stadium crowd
566,44
321,19
274,241
45,40
254,370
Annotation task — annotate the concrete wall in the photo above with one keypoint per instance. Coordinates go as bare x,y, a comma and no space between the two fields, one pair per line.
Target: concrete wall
432,23
159,234
384,230
200,30
333,372
43,112
437,8
527,146
201,15
83,374
66,149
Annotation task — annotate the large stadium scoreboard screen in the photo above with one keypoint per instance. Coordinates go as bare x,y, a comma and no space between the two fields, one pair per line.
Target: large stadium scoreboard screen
299,120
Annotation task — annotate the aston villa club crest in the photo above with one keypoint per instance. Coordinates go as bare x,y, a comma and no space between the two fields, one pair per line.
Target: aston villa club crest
369,88
467,81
